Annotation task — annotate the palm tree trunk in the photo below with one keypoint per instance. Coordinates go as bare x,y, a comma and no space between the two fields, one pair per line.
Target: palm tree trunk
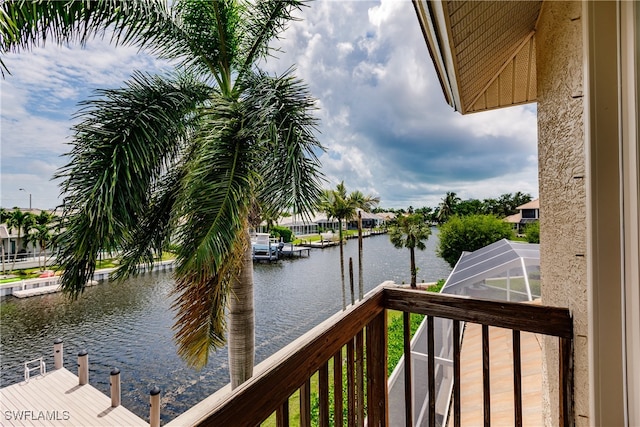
344,290
360,274
15,254
413,267
44,259
241,322
3,270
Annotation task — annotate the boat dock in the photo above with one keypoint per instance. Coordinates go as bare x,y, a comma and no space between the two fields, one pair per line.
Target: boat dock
57,399
43,290
60,398
290,251
47,285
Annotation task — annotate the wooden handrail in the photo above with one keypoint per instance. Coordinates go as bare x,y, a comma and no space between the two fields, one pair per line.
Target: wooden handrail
259,397
553,321
292,367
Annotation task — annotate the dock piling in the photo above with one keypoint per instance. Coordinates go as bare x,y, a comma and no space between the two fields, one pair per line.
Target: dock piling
154,407
83,367
114,383
57,353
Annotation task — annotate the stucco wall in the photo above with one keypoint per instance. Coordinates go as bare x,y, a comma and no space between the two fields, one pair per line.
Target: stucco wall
563,228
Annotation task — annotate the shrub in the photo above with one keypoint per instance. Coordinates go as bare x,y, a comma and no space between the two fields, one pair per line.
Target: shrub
470,233
532,231
284,232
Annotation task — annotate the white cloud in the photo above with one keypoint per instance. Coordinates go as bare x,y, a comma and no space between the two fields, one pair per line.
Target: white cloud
384,120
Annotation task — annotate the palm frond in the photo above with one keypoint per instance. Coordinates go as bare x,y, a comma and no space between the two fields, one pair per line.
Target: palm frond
217,190
290,169
123,143
263,21
156,225
213,210
200,303
203,37
25,24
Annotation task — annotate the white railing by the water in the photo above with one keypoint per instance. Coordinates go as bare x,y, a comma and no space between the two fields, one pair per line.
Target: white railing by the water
102,274
28,369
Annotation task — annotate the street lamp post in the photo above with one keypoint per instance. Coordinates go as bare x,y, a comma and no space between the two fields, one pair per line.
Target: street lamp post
22,189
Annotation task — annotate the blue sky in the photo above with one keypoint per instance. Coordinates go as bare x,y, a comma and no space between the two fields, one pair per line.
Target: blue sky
384,120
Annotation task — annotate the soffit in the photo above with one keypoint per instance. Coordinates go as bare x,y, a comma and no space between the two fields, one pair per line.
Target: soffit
484,51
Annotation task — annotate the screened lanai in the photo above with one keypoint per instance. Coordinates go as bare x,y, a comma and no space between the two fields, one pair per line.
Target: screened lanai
504,270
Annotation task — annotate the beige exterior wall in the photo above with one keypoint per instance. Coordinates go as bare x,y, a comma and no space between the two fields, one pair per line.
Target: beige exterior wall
589,201
562,181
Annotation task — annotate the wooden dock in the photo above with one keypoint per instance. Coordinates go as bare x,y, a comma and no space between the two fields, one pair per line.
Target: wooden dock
56,399
43,290
290,251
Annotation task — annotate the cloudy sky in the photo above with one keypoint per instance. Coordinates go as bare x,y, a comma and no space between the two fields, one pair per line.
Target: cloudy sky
384,121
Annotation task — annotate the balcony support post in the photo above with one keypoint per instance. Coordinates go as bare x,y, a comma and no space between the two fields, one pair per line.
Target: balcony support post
566,382
377,402
408,375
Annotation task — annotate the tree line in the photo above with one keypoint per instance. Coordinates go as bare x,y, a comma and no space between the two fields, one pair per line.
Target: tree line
37,230
451,205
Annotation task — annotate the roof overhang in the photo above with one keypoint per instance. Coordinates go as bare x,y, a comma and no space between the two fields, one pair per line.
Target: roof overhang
484,51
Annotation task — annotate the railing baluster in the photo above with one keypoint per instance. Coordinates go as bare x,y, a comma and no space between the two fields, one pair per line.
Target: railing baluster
305,404
282,414
431,371
323,388
337,388
456,373
267,392
486,383
377,412
517,379
360,378
566,382
351,392
408,377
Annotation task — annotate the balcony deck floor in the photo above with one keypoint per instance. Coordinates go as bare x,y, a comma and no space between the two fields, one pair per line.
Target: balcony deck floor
501,374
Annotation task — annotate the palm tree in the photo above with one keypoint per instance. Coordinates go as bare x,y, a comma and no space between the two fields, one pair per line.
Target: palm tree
409,232
183,156
364,203
20,221
448,206
342,206
4,215
40,234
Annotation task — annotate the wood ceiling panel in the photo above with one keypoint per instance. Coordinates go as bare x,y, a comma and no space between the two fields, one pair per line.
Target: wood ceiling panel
493,42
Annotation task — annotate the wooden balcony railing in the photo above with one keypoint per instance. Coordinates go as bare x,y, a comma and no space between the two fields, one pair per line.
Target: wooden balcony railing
353,344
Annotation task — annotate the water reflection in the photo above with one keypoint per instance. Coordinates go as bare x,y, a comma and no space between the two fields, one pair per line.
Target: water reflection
128,325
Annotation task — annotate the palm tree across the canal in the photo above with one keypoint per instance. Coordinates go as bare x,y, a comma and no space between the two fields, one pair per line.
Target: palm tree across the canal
447,206
182,157
343,207
40,235
410,232
20,221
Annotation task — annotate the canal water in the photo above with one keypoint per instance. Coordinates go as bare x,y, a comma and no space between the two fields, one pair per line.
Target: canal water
128,325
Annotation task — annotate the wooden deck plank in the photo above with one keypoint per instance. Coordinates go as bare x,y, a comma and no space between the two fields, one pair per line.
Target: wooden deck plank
56,399
502,405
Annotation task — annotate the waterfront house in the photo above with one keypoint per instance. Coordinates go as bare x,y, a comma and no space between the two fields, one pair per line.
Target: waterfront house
527,213
300,225
578,61
369,220
13,244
